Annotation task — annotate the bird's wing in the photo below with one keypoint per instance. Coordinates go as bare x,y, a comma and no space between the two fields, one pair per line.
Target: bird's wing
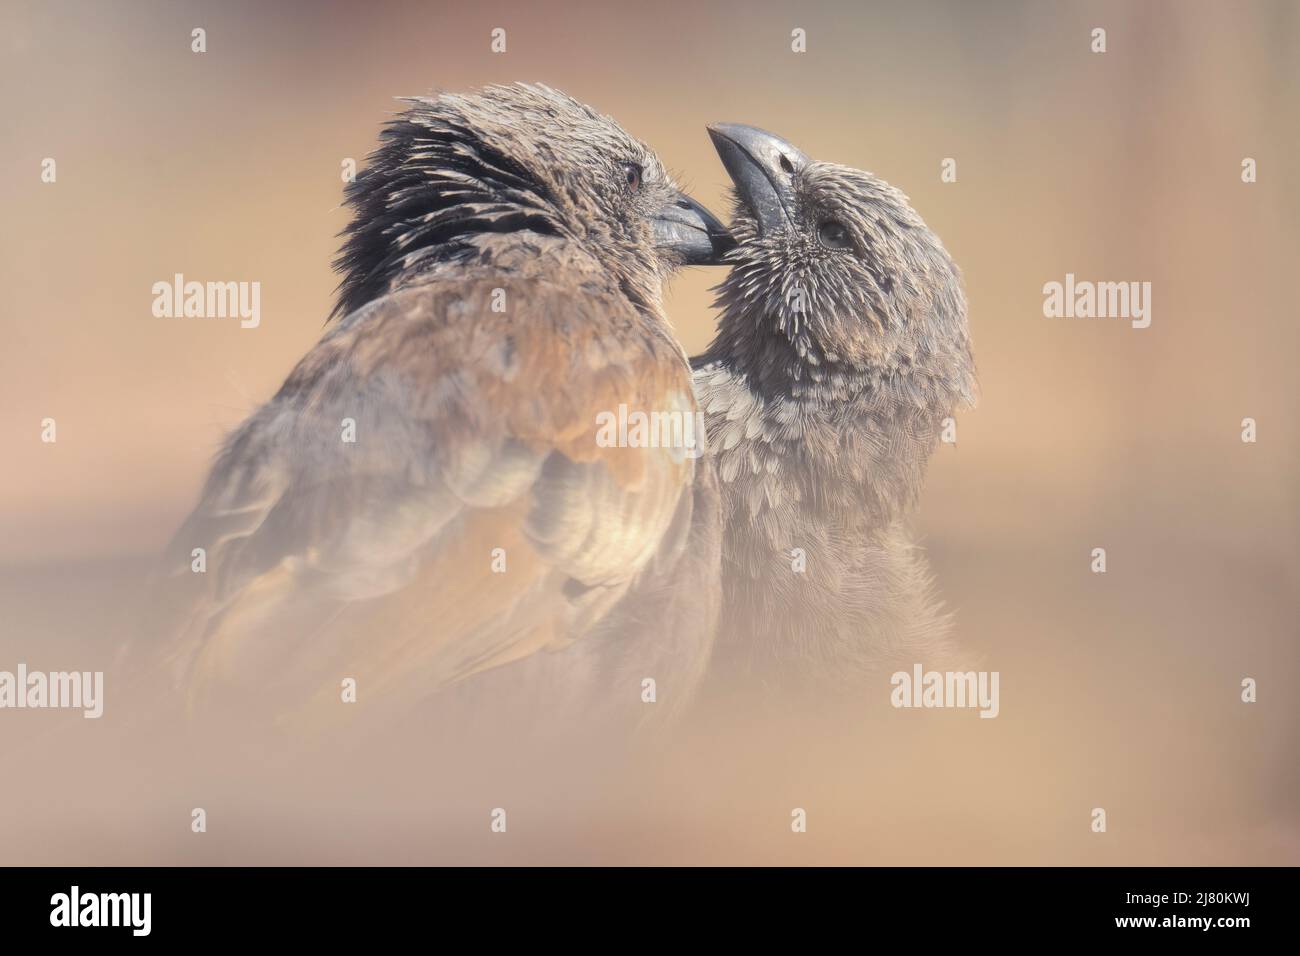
351,526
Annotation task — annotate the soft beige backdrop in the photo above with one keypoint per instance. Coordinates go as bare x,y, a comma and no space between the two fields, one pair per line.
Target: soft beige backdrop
1118,690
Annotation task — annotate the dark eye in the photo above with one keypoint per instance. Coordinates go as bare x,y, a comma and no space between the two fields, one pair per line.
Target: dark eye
632,175
834,235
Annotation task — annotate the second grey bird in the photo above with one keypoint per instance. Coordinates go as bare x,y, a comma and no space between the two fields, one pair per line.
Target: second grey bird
426,499
841,348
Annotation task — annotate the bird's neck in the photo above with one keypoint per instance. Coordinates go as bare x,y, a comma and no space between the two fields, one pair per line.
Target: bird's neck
810,439
778,366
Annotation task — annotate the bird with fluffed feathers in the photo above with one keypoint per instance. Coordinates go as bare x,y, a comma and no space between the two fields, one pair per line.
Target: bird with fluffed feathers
842,347
503,286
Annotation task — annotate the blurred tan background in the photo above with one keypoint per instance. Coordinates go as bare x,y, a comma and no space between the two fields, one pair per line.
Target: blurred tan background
1118,690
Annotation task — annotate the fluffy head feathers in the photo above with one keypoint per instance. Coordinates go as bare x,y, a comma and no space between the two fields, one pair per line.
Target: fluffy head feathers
454,170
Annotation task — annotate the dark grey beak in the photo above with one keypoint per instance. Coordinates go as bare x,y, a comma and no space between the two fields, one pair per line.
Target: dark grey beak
763,167
691,232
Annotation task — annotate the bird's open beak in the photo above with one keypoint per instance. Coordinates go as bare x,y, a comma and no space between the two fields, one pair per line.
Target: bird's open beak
763,167
688,230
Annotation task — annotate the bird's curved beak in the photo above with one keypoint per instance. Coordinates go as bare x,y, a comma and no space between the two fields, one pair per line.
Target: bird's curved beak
690,232
763,166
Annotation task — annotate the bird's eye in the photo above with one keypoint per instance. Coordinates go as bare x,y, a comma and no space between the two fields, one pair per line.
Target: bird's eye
632,175
834,235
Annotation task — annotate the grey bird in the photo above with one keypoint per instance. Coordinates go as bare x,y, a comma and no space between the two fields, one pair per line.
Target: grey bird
425,499
842,346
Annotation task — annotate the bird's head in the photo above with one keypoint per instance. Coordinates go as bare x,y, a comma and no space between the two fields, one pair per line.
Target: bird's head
456,170
836,277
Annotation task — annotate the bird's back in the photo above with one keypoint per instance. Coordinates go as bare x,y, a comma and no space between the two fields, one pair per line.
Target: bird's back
425,498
